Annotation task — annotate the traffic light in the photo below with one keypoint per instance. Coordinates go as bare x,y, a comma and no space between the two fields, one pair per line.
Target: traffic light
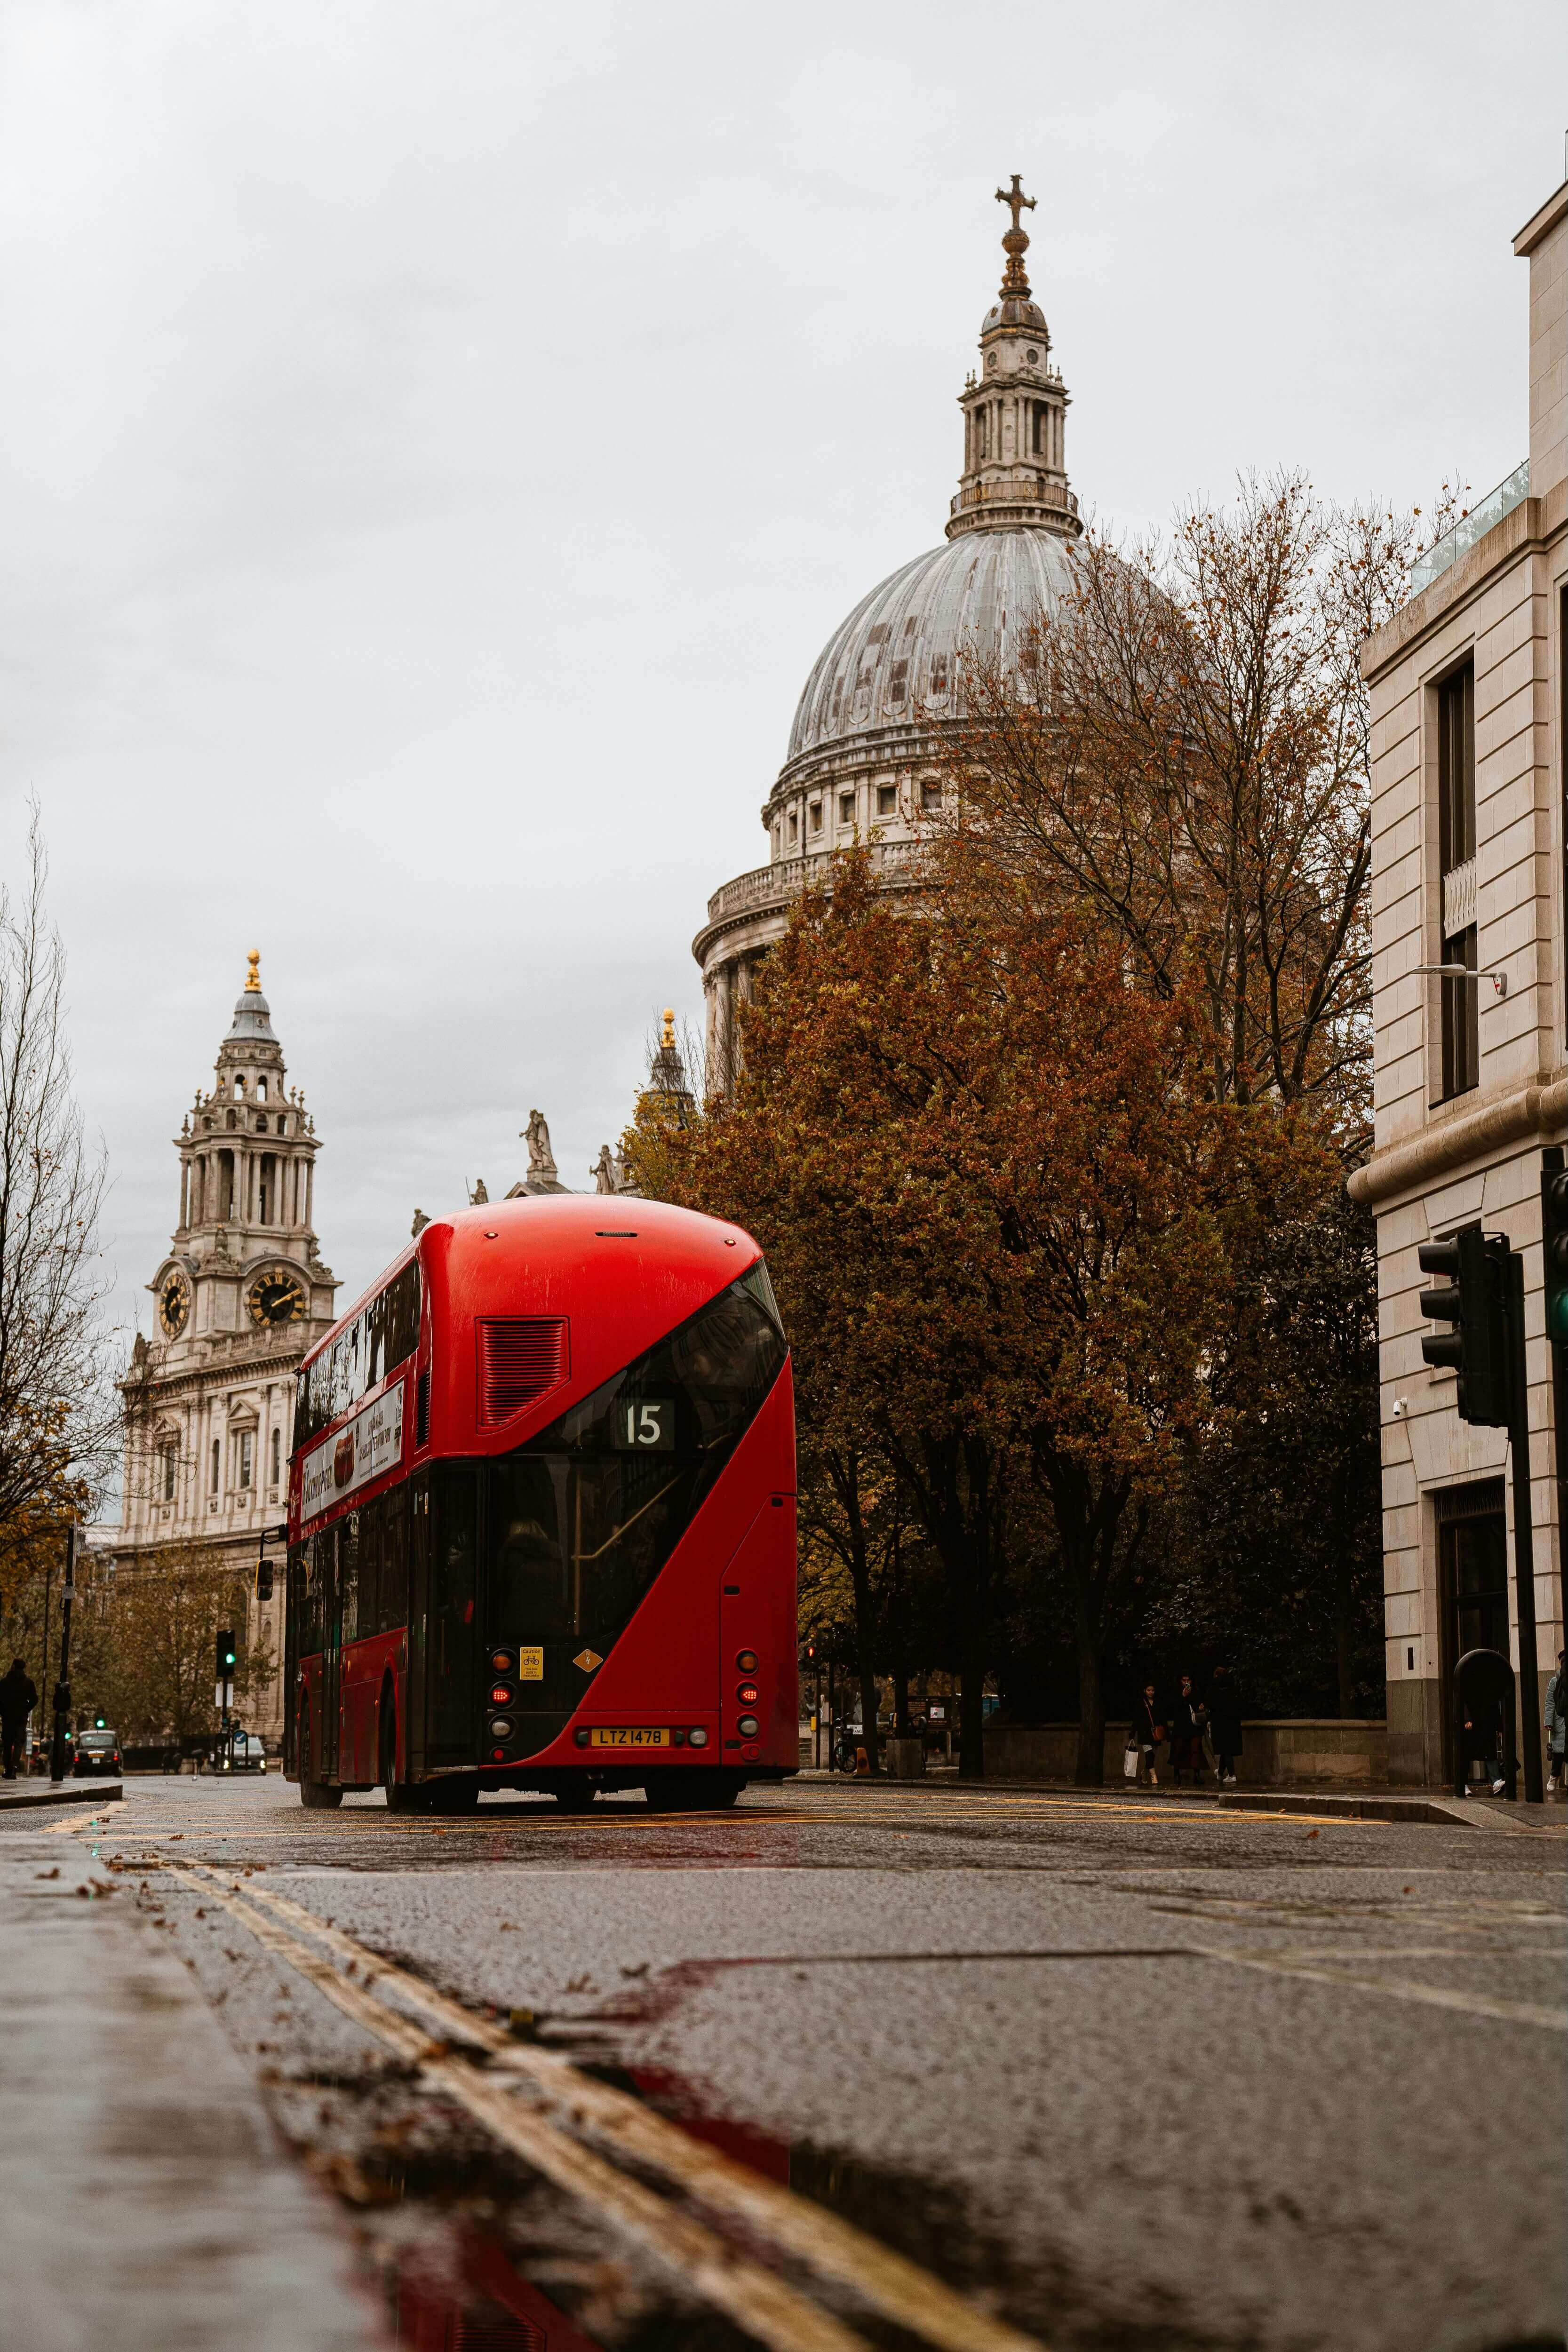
264,1580
1554,1249
100,1723
226,1657
1475,1299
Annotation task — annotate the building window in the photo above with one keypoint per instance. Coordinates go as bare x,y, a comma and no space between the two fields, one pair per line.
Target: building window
1456,862
846,808
793,823
245,1465
931,797
277,1455
217,1465
166,1460
887,799
816,816
261,1090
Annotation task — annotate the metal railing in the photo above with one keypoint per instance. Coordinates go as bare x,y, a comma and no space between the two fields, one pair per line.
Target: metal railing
1483,516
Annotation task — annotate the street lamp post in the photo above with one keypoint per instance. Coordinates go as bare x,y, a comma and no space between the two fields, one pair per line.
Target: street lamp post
62,1687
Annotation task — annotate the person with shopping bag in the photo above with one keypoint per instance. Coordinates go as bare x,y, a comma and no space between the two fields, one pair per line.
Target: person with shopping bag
1147,1734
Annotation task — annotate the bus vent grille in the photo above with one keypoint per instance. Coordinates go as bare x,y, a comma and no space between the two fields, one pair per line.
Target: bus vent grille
520,1357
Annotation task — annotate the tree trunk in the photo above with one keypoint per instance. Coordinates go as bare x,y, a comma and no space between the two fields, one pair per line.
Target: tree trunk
865,1628
1089,1770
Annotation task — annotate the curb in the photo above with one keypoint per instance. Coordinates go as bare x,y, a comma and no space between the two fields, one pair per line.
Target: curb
69,1792
1353,1809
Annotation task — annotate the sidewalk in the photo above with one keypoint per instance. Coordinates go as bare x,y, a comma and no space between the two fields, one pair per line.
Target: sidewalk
15,1794
1346,1800
145,2202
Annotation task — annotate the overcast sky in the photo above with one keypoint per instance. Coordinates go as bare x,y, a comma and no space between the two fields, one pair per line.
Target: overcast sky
439,436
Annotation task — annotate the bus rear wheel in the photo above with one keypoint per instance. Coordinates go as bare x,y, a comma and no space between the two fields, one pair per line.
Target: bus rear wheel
316,1796
400,1797
691,1792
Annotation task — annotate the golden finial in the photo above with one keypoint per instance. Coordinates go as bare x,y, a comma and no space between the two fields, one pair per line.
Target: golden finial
253,977
668,1041
1015,243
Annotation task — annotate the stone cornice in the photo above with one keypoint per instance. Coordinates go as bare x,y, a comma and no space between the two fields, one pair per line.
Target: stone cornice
1448,1149
1541,223
145,1389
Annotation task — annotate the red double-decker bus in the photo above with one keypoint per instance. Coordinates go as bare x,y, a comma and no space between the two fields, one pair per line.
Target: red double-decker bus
541,1520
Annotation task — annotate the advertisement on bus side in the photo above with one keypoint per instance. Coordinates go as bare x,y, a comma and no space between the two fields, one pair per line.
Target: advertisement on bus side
365,1446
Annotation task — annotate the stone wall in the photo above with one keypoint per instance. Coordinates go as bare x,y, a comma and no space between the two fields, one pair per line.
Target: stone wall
1274,1755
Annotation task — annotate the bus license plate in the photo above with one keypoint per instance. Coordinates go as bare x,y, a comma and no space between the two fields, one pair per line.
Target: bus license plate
621,1738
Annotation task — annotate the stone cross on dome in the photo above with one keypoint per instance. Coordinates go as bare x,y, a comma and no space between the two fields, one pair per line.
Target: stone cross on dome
1016,241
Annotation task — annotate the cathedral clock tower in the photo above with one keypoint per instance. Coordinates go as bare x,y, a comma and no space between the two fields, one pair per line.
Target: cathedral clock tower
242,1294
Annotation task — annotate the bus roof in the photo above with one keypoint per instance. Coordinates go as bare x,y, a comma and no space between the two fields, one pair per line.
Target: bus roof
558,1238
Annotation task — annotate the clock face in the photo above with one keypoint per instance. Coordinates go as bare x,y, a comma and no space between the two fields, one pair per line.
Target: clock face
275,1296
174,1306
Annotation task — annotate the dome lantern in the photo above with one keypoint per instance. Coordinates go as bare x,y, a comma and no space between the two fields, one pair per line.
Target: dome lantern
1014,409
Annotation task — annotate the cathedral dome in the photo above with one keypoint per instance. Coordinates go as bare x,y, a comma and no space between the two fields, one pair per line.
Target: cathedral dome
895,660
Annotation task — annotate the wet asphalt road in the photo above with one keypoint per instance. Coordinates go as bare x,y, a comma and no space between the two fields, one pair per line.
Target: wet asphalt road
1125,2073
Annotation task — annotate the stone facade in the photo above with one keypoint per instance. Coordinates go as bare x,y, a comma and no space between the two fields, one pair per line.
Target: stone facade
887,688
1467,684
242,1294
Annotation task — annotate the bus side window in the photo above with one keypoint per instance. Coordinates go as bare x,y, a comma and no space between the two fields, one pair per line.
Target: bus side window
348,1575
372,1519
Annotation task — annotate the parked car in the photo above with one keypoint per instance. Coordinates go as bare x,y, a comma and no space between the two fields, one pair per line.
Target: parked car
96,1755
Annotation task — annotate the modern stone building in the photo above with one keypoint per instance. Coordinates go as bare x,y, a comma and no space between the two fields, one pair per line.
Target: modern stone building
888,683
242,1294
1467,684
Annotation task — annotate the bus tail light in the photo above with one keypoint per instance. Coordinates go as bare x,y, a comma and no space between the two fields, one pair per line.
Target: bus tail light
500,1729
748,1694
582,1737
745,1662
748,1727
698,1739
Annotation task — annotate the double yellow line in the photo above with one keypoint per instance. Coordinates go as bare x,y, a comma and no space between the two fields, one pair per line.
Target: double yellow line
539,2106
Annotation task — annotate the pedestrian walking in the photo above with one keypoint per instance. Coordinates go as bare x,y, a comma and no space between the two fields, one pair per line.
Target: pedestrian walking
1556,1725
1224,1725
18,1700
1188,1716
1149,1731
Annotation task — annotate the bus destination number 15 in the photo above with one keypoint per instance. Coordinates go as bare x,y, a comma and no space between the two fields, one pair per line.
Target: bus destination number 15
645,1425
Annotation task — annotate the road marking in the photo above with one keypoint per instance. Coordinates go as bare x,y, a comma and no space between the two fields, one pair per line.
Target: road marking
760,2302
375,1823
1474,2004
71,1822
913,2297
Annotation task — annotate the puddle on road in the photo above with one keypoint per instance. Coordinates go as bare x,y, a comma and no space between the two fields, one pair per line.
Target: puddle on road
486,2307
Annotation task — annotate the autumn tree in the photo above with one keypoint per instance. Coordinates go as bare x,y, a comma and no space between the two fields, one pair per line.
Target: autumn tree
990,1192
58,1418
1183,751
157,1680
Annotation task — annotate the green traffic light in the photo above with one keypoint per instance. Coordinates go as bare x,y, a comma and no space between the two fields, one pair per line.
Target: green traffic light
1557,1316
